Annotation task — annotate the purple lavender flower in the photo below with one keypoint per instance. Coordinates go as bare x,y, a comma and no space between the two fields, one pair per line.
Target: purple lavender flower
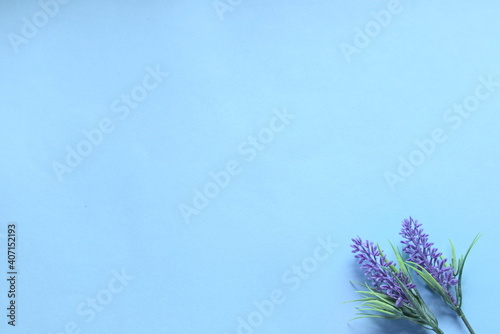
378,268
421,252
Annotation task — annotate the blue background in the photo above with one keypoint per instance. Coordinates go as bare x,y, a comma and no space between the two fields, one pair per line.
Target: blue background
322,175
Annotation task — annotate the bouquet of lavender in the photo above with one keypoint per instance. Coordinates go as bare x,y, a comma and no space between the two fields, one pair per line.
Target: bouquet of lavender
393,294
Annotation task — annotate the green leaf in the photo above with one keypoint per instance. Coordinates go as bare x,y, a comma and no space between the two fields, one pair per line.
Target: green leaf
400,260
393,267
380,305
374,309
374,293
460,270
431,281
454,262
462,260
369,315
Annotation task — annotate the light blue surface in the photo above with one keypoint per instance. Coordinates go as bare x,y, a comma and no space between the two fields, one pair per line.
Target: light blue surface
329,125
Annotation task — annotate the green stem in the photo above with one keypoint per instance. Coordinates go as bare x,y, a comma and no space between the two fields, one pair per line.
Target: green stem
464,319
438,330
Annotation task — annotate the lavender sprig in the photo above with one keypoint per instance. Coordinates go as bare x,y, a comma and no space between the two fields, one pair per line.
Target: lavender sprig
393,294
377,269
420,252
441,277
